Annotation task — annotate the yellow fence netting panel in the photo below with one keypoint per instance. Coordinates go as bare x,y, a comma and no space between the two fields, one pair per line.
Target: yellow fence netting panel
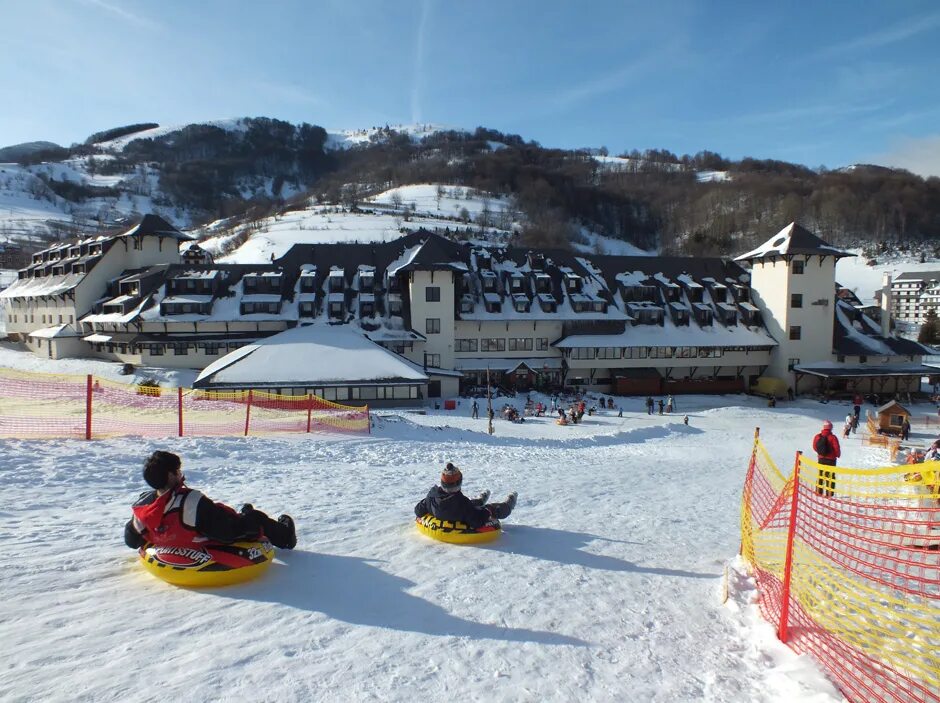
864,590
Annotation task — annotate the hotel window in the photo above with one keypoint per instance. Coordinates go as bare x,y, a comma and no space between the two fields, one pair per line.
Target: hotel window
795,332
432,325
796,300
541,344
433,360
492,344
465,345
791,363
520,344
432,294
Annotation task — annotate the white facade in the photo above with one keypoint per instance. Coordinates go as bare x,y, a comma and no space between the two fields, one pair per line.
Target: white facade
795,296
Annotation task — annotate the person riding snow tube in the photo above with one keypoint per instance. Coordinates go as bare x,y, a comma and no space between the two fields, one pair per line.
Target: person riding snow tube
447,515
207,565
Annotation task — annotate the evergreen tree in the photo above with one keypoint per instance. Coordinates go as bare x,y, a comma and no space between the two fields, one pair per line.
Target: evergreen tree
930,330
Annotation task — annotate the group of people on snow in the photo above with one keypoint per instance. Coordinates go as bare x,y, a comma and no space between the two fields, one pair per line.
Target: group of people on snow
173,514
667,406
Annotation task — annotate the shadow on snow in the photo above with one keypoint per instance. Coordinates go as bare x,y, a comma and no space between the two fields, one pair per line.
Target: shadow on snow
357,591
565,547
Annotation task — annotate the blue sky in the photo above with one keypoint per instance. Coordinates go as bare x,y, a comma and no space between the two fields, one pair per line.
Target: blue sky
819,83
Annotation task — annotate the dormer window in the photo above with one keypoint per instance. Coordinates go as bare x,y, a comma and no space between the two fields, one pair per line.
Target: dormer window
366,283
543,283
394,307
466,304
573,283
337,283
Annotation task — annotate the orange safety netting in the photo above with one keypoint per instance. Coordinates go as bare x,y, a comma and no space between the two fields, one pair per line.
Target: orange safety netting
83,407
863,596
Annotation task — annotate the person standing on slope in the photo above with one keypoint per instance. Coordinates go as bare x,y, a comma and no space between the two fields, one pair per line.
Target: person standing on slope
447,502
826,446
175,515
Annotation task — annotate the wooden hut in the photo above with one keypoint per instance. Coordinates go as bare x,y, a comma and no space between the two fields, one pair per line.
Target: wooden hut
890,417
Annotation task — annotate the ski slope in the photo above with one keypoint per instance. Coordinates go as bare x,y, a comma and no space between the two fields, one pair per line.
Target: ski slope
605,585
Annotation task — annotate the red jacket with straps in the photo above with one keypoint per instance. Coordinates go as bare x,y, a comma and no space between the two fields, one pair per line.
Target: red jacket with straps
184,517
835,451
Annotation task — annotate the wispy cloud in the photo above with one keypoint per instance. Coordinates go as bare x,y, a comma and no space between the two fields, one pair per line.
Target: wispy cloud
823,113
920,156
900,31
288,92
611,81
125,15
417,83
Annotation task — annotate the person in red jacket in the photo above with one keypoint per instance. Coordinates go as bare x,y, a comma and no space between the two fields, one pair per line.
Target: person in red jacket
175,515
826,446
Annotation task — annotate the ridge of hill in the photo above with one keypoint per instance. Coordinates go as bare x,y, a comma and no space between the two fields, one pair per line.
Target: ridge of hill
238,171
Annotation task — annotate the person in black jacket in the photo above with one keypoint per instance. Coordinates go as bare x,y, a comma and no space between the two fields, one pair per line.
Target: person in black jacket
447,502
175,514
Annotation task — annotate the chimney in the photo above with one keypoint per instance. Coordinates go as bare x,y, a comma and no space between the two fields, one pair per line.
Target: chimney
886,305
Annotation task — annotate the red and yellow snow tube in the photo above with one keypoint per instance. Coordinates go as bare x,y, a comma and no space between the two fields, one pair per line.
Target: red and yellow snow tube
457,532
209,565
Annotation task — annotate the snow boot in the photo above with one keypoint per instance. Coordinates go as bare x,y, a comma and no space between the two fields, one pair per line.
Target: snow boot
482,498
511,500
288,522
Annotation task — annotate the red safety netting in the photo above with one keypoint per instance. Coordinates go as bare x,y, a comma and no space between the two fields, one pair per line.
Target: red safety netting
46,406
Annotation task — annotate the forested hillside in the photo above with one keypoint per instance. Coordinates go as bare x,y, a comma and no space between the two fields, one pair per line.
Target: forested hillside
690,204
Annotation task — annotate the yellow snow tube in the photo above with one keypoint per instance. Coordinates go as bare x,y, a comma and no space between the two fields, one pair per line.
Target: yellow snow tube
208,566
457,532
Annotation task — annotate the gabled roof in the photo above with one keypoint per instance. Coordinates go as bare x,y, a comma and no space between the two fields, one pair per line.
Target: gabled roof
343,356
154,224
792,239
891,404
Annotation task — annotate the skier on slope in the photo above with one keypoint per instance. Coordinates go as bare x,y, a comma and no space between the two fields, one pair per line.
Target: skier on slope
447,502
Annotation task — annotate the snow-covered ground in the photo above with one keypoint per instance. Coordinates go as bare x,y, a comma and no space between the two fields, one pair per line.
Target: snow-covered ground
605,585
854,273
382,218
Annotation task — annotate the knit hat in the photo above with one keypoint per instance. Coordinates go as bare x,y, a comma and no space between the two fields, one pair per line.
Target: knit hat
827,425
451,479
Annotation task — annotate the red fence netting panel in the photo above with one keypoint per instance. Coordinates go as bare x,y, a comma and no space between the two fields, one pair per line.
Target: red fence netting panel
50,406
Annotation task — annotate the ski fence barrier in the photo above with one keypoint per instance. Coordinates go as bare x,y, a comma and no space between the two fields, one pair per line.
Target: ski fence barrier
848,570
48,406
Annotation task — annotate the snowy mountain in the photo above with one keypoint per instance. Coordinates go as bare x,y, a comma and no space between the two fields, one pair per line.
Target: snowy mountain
233,171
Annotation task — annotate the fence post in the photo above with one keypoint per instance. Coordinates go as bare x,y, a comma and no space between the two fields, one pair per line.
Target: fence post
788,560
748,477
248,412
368,421
309,409
88,391
179,393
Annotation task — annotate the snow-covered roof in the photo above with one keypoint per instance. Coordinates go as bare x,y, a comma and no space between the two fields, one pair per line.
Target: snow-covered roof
343,356
673,336
507,365
46,285
55,332
792,239
198,299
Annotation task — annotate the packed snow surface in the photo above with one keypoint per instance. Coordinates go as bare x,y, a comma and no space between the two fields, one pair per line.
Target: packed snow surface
605,585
